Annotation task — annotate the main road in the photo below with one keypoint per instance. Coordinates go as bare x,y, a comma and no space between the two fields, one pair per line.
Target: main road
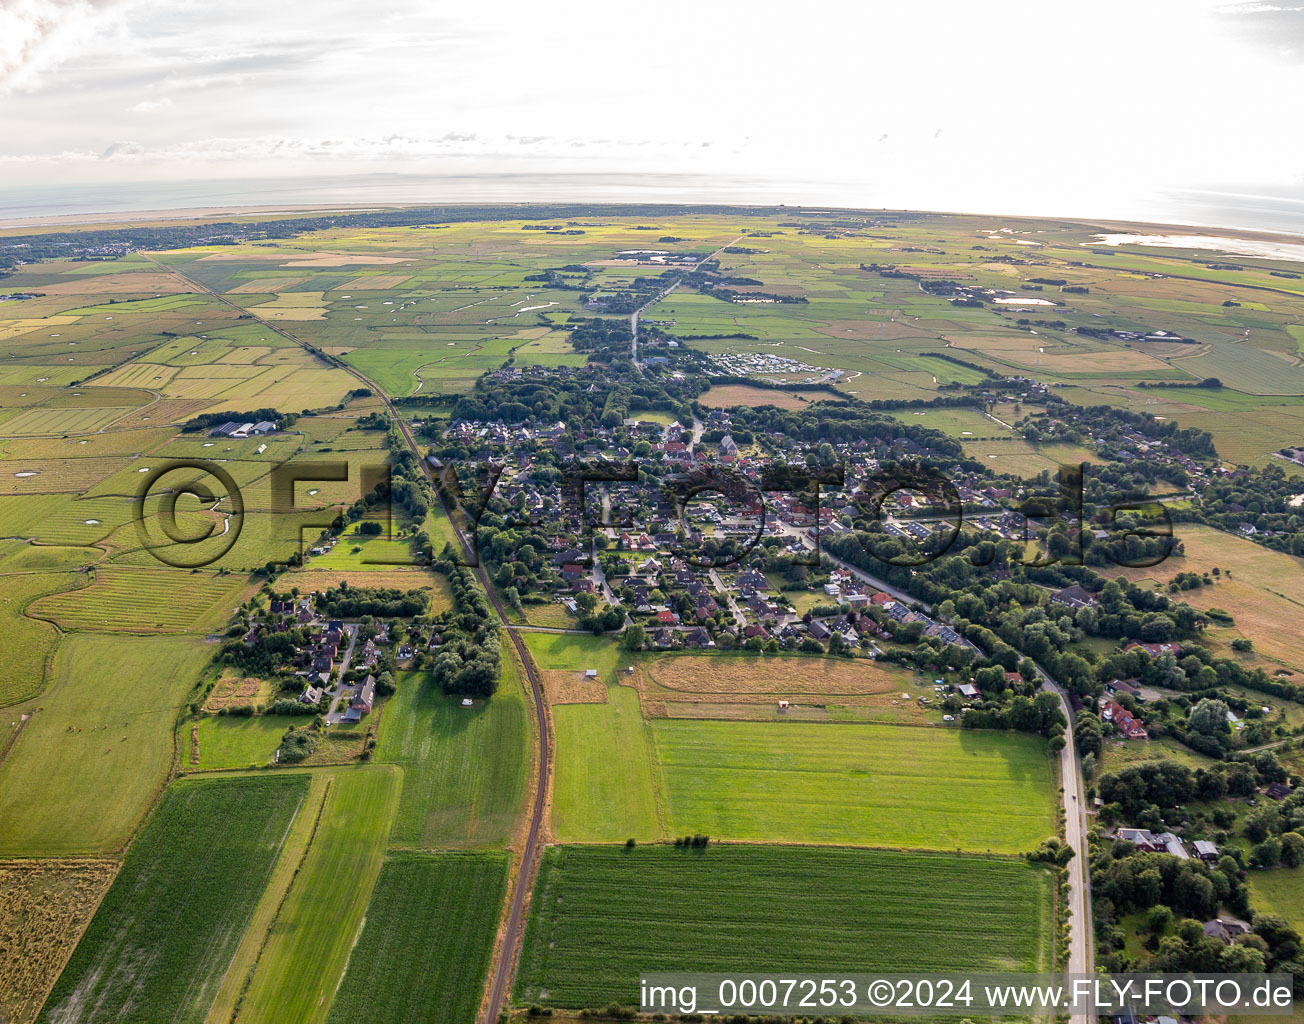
534,835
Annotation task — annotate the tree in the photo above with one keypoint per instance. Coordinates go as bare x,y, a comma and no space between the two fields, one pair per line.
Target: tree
1292,849
1209,718
634,638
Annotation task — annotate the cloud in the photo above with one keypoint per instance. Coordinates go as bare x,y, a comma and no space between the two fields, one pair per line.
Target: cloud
1275,27
38,35
149,106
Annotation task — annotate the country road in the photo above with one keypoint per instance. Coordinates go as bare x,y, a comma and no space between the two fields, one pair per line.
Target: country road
633,317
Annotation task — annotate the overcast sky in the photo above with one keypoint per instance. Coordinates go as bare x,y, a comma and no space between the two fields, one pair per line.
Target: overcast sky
950,104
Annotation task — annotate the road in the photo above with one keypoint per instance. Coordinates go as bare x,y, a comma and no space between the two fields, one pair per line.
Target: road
333,716
505,967
718,582
1081,941
633,317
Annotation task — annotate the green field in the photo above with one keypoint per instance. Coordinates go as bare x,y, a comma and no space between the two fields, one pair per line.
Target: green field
308,945
156,599
1280,892
163,937
228,741
464,769
424,951
618,775
602,915
604,787
27,642
98,745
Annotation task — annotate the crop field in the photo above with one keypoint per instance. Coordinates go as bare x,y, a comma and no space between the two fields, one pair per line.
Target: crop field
27,642
162,599
98,745
424,951
464,769
44,905
873,785
1265,588
603,916
309,942
163,937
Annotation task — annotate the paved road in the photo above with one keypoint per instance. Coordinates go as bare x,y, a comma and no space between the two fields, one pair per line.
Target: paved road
633,317
333,716
1081,939
718,581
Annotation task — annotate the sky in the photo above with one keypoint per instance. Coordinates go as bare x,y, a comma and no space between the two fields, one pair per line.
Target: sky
940,104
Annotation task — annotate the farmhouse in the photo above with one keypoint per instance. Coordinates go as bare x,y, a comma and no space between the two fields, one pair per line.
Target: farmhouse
1130,727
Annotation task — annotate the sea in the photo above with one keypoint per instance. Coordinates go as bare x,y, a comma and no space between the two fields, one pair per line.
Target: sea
1230,207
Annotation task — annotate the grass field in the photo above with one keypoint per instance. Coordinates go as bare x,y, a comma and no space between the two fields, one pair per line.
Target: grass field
915,787
424,950
464,769
98,745
604,783
161,599
602,916
233,742
165,933
1280,892
309,943
44,906
27,642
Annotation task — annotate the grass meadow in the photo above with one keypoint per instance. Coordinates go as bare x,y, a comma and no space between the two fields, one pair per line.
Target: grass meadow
309,942
464,769
98,745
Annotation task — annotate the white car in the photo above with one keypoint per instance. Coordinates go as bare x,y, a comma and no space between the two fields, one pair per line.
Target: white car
948,718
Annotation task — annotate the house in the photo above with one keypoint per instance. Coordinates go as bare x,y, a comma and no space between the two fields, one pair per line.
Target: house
366,697
968,691
1129,726
1224,929
699,637
819,630
1123,686
1154,650
1206,850
1142,839
1278,791
1073,597
665,617
311,695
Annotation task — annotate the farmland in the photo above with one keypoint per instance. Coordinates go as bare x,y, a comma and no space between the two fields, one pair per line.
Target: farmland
44,905
1261,588
424,950
232,742
464,769
873,785
308,945
28,642
98,744
603,915
165,933
160,599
